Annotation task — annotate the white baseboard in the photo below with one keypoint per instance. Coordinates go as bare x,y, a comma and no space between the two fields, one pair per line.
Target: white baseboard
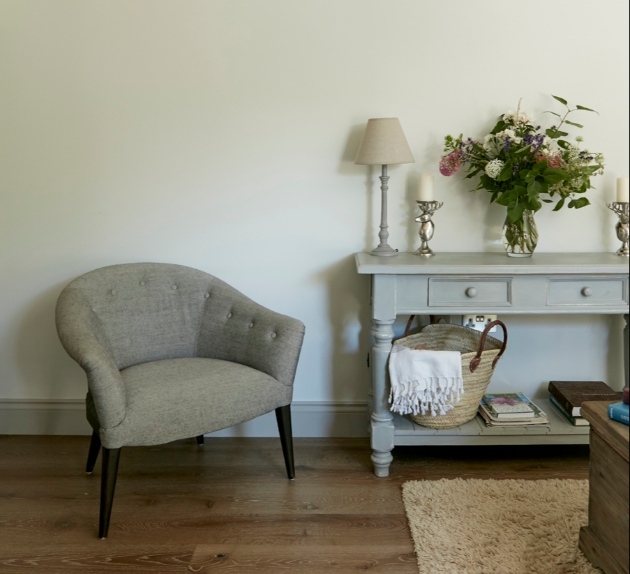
44,417
67,417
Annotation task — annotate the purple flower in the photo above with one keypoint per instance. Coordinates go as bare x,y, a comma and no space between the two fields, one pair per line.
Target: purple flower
537,142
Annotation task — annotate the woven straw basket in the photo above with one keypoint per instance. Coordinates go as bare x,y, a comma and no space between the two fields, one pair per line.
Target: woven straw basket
480,354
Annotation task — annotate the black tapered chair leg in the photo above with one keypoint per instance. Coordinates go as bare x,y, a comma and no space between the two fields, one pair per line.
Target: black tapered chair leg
200,440
283,416
111,457
95,446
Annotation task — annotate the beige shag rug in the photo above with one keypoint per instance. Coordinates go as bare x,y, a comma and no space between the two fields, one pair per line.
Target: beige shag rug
498,526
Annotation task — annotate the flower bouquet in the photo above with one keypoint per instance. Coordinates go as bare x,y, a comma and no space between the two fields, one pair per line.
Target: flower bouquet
523,166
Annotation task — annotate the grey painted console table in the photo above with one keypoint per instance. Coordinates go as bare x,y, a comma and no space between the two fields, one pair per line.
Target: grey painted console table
492,283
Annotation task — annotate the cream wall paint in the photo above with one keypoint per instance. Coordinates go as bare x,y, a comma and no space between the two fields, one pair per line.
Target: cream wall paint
220,134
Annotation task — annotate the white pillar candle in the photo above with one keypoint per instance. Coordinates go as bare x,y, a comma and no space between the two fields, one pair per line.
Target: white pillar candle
425,187
623,189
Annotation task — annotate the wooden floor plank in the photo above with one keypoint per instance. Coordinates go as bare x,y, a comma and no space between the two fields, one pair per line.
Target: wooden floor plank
255,529
99,561
177,501
394,559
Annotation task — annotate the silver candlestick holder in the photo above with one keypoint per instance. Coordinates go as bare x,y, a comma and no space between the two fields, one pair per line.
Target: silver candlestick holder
621,209
427,227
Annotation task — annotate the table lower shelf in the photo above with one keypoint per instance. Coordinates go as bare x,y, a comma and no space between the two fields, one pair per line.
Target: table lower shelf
475,432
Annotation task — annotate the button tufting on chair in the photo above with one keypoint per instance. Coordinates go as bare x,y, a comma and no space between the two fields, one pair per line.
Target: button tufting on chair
141,283
206,295
229,315
174,287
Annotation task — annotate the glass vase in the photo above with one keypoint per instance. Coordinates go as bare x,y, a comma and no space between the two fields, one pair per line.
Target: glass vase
521,237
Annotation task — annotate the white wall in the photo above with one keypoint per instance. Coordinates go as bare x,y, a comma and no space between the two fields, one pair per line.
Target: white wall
221,134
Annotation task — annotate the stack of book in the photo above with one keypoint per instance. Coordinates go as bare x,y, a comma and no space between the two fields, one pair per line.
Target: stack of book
568,396
511,410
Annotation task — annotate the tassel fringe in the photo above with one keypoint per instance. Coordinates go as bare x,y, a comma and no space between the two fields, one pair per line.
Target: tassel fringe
434,394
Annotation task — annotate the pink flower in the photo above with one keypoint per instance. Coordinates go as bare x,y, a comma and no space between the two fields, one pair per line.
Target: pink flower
553,159
450,164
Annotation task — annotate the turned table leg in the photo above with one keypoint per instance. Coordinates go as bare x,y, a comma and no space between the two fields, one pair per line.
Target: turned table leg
382,425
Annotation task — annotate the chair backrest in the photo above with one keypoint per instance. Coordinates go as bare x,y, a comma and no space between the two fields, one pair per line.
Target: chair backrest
147,311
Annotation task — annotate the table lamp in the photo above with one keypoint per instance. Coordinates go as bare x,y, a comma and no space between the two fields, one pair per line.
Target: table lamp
384,144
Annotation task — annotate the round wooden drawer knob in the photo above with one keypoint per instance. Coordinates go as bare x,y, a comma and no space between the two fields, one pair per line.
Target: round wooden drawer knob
471,292
587,291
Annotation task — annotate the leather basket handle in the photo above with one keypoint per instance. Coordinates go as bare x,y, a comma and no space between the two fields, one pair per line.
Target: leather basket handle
474,363
408,327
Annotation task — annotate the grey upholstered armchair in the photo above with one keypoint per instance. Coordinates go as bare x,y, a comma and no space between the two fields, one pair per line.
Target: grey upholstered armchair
171,353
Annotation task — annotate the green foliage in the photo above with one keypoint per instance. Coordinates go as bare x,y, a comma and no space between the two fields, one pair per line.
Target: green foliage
501,125
580,202
559,205
515,211
533,189
554,134
506,172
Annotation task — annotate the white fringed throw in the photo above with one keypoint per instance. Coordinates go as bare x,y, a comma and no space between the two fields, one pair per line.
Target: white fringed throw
424,380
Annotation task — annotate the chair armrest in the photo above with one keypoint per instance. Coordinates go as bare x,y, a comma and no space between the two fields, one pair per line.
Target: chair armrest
235,328
82,336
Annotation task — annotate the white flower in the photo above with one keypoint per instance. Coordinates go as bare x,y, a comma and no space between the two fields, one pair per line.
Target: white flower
527,118
518,118
507,134
494,167
579,139
599,158
573,152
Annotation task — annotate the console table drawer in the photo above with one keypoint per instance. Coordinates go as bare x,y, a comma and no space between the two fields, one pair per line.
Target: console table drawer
586,291
470,292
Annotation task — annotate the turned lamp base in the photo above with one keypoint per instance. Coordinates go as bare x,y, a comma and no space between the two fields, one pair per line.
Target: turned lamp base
384,251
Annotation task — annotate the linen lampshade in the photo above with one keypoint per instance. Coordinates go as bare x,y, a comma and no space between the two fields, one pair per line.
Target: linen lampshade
384,143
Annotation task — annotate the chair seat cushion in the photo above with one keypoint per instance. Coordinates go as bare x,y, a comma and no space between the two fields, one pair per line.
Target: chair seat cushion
181,398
